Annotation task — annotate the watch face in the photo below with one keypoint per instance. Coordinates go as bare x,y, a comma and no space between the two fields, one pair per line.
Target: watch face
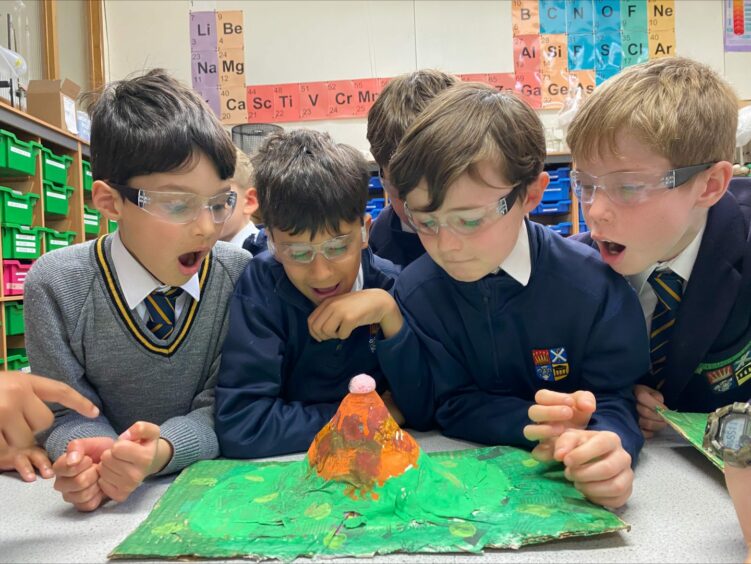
734,432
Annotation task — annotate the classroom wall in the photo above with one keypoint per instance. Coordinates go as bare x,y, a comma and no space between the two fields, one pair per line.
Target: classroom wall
305,41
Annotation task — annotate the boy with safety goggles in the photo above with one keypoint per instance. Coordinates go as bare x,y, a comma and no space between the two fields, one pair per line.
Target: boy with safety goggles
653,148
504,317
134,320
306,315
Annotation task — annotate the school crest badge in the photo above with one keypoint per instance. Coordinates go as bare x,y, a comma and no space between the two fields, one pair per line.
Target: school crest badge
551,365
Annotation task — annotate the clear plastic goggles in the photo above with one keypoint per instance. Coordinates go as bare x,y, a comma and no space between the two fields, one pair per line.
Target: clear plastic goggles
631,188
179,207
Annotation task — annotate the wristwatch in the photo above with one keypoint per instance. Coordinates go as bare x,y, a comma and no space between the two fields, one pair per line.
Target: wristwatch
728,434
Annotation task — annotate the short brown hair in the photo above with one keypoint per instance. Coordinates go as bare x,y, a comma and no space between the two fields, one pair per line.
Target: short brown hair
465,124
308,183
243,171
681,109
403,98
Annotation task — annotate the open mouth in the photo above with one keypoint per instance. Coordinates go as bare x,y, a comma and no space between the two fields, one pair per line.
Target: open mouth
191,262
611,247
323,293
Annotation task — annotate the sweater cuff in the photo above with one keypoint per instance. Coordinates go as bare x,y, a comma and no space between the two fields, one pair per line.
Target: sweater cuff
76,427
191,442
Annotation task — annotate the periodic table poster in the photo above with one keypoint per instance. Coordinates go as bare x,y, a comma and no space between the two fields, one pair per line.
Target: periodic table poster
560,47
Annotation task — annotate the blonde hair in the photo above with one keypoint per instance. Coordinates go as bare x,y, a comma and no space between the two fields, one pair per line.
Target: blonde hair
463,125
681,109
243,171
401,100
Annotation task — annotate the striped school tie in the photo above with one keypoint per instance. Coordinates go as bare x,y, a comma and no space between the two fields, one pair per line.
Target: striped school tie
669,288
161,308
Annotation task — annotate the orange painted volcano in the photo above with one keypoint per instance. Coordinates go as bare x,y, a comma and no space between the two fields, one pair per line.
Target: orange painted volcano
362,445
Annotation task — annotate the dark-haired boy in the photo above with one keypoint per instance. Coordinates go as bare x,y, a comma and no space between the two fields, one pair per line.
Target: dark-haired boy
503,316
306,316
135,320
401,101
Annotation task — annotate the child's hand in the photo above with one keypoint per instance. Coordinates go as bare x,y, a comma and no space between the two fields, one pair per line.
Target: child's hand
77,472
138,453
553,414
23,412
647,400
396,413
597,464
25,460
337,317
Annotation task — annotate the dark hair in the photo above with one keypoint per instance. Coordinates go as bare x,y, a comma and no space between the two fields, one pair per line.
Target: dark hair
465,124
153,123
306,182
400,102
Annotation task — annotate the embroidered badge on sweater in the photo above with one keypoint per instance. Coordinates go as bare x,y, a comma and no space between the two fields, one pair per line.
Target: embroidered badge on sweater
728,374
551,365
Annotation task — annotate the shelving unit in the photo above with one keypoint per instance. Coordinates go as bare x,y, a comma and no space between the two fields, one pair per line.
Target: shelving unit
43,168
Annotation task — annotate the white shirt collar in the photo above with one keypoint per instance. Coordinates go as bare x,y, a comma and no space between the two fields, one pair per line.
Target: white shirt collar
244,233
135,281
682,264
359,281
518,263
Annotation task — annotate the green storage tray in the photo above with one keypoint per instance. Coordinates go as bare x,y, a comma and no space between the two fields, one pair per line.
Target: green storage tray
111,226
16,207
21,242
55,167
17,158
14,318
88,179
91,219
56,199
54,240
17,360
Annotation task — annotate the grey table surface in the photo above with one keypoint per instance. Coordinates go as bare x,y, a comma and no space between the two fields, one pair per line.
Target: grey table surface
680,512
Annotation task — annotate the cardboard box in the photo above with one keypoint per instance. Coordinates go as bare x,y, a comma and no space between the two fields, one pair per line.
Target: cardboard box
54,101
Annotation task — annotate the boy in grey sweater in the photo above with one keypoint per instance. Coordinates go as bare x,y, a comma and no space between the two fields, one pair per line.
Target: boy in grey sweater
135,320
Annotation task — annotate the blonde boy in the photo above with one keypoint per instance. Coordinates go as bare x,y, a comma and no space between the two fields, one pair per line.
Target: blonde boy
653,148
240,226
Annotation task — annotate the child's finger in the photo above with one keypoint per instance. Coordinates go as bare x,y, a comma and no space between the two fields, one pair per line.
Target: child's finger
542,432
585,401
649,397
113,491
544,413
543,452
549,397
92,504
651,425
567,442
648,413
593,445
613,492
64,469
141,431
602,469
57,392
41,461
110,466
22,464
82,496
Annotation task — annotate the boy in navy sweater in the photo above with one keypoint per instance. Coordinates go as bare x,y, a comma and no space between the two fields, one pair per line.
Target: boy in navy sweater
306,314
502,313
654,192
403,98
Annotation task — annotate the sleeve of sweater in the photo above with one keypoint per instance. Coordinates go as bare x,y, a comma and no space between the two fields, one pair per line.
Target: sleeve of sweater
252,419
48,344
617,356
192,435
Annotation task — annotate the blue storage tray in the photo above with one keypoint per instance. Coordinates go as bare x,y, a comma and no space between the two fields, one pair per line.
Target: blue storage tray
563,228
560,190
562,206
583,227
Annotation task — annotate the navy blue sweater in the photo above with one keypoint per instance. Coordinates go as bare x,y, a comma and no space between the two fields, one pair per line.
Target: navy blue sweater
709,355
388,240
277,386
486,347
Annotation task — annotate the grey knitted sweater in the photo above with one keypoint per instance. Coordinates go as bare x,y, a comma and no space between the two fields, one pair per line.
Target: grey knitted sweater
79,330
